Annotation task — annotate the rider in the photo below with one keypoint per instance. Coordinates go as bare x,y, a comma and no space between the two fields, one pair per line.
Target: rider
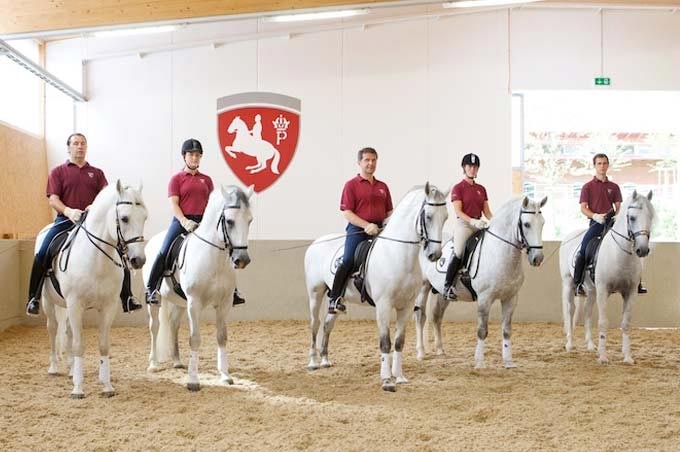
71,188
188,192
256,132
366,203
600,201
470,201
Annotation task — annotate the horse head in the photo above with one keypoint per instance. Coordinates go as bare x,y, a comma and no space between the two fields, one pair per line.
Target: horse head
126,222
237,219
236,125
639,214
530,225
433,215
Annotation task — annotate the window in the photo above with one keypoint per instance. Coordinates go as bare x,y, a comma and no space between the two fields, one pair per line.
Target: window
20,91
561,131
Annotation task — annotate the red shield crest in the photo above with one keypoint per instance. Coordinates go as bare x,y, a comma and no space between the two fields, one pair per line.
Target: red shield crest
258,134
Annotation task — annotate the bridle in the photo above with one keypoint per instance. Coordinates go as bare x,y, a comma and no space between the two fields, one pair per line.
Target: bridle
226,239
523,242
121,245
631,235
423,234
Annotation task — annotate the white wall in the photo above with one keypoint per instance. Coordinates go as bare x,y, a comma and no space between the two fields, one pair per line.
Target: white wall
422,91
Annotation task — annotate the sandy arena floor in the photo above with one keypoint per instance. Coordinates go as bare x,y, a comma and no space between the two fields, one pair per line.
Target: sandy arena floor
553,402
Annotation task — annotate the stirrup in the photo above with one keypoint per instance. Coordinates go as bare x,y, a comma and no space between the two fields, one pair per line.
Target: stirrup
238,299
131,304
450,293
579,290
33,307
336,305
153,297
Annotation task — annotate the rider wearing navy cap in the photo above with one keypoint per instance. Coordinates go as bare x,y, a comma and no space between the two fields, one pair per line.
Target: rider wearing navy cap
71,188
188,192
470,201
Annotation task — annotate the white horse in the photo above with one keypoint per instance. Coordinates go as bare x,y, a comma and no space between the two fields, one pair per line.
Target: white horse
89,270
206,273
618,270
496,273
392,275
247,144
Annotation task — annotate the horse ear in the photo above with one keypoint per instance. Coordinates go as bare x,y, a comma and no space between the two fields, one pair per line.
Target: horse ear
634,195
525,202
225,193
649,195
543,201
140,185
119,186
250,191
427,188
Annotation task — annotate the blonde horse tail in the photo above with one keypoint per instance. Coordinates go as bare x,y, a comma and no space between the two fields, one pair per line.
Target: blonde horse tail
275,161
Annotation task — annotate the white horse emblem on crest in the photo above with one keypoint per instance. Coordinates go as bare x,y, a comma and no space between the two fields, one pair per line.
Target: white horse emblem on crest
250,142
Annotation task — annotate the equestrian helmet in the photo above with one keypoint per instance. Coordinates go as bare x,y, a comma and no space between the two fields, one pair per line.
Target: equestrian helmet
470,159
191,145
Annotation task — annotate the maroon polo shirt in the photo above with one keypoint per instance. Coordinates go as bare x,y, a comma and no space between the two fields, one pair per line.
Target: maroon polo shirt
600,195
370,201
472,196
193,191
76,187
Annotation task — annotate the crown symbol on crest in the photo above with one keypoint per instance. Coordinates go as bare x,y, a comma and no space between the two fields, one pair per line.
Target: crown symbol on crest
281,125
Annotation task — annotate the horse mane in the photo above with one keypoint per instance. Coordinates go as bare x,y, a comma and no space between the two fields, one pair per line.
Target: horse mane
215,202
508,212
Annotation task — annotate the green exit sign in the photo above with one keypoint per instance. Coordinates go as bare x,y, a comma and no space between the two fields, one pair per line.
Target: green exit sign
602,81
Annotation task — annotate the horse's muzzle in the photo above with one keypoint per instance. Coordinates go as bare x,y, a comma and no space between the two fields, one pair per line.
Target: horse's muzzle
137,262
435,255
642,251
241,260
535,259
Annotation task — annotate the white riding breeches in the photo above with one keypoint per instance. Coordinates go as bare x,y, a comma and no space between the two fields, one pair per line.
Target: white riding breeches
462,230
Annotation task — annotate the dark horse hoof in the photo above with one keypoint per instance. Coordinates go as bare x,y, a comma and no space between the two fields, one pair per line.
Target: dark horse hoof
193,387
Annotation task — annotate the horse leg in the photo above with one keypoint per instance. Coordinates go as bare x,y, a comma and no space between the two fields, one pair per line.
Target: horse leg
383,320
568,309
437,316
602,325
399,338
108,314
230,150
261,165
328,326
75,316
153,330
175,315
507,309
52,327
421,319
193,383
483,306
222,358
315,299
625,328
588,320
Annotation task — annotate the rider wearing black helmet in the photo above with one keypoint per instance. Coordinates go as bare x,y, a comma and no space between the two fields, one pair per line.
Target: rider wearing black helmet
470,201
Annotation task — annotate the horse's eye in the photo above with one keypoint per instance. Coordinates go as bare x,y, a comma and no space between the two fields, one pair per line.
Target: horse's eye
125,219
230,223
428,217
527,225
631,218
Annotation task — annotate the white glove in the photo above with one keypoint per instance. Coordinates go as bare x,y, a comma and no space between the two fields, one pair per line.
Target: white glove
598,217
189,225
478,223
73,214
371,229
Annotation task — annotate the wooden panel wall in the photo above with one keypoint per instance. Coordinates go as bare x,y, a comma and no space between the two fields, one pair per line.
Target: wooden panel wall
22,186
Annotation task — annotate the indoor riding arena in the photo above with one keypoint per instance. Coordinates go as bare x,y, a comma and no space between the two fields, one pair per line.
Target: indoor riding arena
108,110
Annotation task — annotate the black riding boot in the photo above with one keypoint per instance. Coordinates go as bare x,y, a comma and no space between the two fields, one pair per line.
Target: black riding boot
154,283
641,288
335,303
34,286
129,300
238,299
450,282
579,270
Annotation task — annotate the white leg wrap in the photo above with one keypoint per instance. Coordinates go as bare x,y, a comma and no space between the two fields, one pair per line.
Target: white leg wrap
479,351
222,361
193,366
104,370
385,366
78,371
626,344
396,364
507,350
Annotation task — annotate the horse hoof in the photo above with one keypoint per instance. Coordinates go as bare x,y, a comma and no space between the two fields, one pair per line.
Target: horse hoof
312,367
388,386
179,366
326,364
227,380
509,365
152,369
440,352
591,347
628,360
108,394
77,396
480,365
603,361
568,348
194,387
420,356
53,373
402,380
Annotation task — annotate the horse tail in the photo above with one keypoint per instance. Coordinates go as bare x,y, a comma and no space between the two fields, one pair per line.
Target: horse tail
164,342
275,161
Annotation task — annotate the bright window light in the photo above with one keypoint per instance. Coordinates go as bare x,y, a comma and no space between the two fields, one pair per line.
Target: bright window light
317,16
483,3
134,31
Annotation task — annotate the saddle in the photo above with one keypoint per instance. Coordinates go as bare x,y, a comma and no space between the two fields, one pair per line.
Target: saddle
464,275
359,269
592,251
172,262
53,250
